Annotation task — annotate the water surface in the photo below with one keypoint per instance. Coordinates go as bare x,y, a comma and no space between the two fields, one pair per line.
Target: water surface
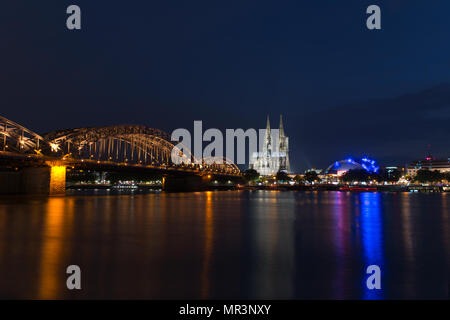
226,244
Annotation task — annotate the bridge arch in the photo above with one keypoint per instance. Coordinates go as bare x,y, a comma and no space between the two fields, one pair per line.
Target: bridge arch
121,144
124,143
17,138
220,164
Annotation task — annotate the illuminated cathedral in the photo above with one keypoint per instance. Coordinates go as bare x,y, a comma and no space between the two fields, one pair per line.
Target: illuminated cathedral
274,155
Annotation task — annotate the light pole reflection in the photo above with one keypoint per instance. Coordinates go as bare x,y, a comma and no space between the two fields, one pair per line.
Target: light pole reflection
209,233
372,240
272,246
58,216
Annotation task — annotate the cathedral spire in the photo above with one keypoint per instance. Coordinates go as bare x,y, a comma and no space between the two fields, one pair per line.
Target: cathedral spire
267,139
273,156
281,130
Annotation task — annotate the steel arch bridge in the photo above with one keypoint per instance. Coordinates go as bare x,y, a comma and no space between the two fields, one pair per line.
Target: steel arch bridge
122,145
16,138
220,164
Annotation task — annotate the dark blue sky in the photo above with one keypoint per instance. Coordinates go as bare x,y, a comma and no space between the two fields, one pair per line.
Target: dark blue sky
229,63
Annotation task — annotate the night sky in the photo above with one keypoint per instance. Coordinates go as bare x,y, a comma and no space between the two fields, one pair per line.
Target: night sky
344,90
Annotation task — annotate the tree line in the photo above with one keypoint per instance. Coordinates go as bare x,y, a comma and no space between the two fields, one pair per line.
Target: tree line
392,176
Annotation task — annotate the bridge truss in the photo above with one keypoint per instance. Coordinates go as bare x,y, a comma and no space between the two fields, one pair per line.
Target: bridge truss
124,144
121,144
16,138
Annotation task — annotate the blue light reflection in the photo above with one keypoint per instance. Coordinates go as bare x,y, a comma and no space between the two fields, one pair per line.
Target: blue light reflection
372,240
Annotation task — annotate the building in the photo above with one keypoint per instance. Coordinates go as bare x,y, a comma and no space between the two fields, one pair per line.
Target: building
274,155
340,168
428,164
391,171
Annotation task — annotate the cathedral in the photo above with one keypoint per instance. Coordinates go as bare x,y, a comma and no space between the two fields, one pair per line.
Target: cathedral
274,155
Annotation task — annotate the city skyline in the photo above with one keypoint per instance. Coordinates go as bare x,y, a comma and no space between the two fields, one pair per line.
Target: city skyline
438,96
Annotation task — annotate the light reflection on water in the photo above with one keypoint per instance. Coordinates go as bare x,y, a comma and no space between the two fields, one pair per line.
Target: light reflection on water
51,248
372,238
231,244
209,233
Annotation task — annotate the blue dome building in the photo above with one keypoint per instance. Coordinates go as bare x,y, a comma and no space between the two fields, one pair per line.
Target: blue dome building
341,167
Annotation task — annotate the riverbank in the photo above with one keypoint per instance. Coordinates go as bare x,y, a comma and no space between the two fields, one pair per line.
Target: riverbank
351,188
317,187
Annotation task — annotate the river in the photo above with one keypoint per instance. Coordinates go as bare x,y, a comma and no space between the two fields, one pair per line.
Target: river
225,244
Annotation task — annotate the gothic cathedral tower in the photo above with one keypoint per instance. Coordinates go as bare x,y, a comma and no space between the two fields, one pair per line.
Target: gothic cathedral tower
274,155
283,149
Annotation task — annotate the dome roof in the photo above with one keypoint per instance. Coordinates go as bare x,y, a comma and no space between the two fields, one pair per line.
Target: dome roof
344,165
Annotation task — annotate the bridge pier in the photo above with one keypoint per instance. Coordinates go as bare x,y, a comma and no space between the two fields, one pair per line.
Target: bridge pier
188,183
44,180
57,180
9,182
34,181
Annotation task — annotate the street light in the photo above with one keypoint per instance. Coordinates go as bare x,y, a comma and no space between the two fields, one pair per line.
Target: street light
54,147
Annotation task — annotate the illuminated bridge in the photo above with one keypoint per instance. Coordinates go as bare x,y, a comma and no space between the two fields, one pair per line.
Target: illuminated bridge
40,161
